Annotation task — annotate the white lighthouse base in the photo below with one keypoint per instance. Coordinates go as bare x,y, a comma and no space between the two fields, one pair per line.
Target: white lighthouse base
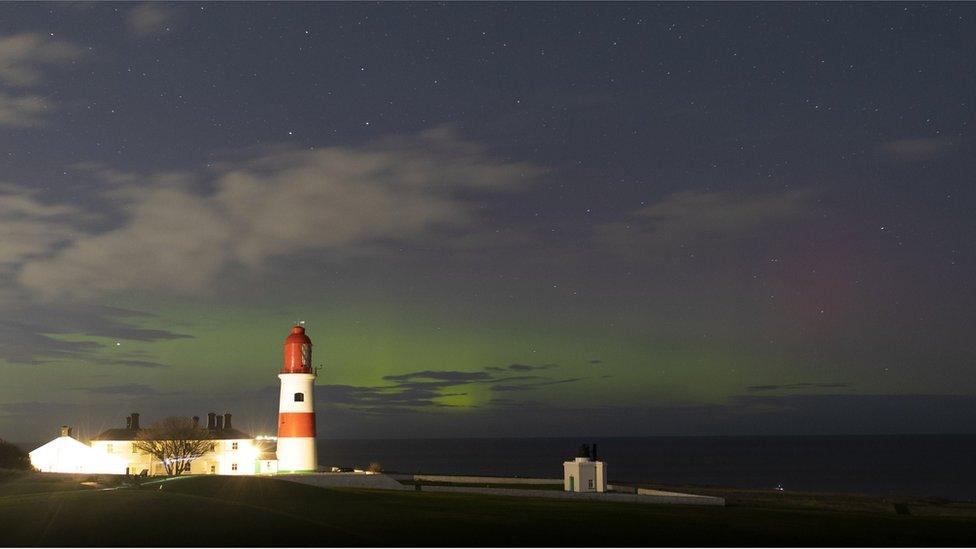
297,455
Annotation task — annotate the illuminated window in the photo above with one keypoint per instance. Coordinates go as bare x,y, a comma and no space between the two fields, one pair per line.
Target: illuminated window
299,397
233,446
233,466
110,449
135,449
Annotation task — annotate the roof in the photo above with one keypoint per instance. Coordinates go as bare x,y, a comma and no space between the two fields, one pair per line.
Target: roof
133,434
117,434
59,443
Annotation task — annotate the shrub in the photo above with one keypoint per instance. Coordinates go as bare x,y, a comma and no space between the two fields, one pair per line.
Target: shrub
12,457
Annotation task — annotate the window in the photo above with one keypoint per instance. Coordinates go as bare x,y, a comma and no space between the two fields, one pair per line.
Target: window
213,446
589,483
299,397
110,449
233,446
233,466
135,449
213,469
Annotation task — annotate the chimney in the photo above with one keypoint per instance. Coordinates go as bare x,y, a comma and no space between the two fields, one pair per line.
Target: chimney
64,431
226,421
128,422
594,457
584,451
135,421
196,422
220,422
211,425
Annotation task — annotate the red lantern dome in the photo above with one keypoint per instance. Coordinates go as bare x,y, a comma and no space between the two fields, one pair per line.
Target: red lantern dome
298,352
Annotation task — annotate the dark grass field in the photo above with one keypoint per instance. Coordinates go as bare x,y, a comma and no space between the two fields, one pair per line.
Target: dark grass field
251,511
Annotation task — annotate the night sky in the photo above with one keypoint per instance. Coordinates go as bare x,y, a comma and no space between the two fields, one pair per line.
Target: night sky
495,219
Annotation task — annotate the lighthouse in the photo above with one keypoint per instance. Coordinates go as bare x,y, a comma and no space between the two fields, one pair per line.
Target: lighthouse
296,406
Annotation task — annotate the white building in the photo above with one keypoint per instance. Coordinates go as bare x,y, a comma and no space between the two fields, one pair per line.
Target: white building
585,473
232,452
67,454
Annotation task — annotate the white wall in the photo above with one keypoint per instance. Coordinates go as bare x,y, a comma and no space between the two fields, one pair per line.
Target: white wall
119,454
267,466
297,383
600,472
225,459
116,457
68,455
588,476
234,461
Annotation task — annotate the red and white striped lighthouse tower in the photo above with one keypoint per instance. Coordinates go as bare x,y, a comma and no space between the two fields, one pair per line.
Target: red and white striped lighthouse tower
296,407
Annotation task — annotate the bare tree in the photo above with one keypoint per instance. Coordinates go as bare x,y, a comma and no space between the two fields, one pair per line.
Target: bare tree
175,441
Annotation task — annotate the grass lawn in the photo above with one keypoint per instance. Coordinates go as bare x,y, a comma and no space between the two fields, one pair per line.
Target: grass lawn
253,511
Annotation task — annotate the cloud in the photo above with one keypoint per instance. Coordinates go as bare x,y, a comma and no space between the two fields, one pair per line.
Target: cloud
792,386
28,345
23,56
917,150
28,334
381,399
509,387
422,390
439,375
177,234
29,226
149,19
25,111
520,367
697,218
508,379
529,367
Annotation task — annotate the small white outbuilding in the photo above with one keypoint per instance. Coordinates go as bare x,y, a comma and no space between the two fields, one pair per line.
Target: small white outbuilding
585,473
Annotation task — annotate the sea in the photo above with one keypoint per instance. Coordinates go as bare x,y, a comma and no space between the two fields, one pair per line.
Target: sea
940,466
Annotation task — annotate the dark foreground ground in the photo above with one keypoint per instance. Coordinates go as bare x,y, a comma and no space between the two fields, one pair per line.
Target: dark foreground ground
251,511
